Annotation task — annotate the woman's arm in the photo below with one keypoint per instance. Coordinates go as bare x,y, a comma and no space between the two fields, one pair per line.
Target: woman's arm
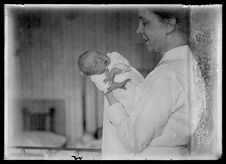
110,75
149,116
111,98
115,85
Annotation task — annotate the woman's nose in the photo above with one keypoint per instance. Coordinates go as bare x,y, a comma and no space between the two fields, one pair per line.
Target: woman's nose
139,29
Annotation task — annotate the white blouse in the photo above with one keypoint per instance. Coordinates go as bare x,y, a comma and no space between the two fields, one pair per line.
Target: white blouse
166,111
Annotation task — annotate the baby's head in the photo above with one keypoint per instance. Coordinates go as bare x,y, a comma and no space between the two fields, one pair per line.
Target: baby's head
93,62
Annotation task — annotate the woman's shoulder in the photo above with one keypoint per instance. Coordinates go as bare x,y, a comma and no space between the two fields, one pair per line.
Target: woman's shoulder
164,73
165,70
168,71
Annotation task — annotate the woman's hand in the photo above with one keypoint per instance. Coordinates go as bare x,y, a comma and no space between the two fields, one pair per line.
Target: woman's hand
115,85
110,75
110,96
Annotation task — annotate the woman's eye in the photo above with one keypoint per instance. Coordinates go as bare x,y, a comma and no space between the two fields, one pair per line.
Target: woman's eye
144,23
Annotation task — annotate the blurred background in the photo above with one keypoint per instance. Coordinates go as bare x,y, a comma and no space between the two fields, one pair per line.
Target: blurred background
47,43
43,75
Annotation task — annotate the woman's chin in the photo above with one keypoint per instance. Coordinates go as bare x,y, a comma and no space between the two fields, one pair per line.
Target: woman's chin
150,48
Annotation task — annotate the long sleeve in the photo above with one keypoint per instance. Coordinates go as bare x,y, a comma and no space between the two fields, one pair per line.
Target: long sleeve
149,116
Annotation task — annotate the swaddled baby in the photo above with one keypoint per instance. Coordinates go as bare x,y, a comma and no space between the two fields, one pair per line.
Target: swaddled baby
108,71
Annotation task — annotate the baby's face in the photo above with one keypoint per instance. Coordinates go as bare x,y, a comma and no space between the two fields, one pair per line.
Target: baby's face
97,62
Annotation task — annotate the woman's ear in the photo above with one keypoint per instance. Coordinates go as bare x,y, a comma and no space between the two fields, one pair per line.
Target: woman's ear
171,25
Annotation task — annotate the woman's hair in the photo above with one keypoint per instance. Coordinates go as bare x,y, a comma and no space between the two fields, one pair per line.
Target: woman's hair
180,13
81,63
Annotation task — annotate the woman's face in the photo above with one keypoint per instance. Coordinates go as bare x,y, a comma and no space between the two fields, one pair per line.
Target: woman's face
153,31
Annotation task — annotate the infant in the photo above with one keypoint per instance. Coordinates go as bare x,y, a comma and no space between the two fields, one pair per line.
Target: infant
108,71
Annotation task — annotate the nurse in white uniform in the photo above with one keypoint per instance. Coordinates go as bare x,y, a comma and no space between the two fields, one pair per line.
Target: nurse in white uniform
165,113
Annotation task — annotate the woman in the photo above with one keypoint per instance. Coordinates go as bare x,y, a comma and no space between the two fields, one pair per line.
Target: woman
164,115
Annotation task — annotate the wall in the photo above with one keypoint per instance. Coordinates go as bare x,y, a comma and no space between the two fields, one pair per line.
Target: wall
206,44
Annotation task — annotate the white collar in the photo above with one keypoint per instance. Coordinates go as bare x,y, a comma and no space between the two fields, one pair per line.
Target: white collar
178,53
